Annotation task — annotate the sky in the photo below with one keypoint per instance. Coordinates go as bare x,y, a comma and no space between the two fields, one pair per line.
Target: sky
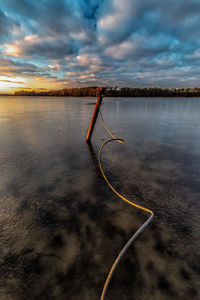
55,44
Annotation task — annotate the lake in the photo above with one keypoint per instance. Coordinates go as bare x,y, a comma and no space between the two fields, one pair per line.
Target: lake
61,227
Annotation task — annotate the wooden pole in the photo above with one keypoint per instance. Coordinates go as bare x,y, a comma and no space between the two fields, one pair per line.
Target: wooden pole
100,94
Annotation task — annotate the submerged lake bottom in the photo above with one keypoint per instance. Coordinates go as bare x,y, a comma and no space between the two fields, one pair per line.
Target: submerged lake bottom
61,227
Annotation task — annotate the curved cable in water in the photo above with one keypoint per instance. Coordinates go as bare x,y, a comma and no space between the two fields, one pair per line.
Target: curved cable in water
139,231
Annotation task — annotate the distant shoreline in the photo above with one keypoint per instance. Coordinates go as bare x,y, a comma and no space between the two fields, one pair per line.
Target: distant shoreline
115,92
112,92
13,95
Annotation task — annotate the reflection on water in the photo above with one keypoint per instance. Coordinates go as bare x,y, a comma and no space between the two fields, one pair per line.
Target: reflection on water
61,226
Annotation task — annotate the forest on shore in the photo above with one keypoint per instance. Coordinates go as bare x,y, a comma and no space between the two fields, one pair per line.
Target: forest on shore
115,92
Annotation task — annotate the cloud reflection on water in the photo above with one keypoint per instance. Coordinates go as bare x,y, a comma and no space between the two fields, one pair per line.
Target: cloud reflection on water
61,227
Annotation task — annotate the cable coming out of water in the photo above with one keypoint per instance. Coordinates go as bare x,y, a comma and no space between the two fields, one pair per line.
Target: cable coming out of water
139,231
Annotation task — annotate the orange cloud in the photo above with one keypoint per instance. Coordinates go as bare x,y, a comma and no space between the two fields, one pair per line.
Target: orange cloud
12,49
15,49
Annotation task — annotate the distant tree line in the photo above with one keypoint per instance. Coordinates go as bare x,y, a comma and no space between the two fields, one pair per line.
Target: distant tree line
116,92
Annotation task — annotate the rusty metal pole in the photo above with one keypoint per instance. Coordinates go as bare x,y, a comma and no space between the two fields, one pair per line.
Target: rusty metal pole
100,94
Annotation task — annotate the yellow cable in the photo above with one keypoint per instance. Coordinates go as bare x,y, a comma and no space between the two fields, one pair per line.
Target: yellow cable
106,127
112,188
132,239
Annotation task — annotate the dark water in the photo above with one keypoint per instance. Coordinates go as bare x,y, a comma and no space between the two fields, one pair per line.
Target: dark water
61,227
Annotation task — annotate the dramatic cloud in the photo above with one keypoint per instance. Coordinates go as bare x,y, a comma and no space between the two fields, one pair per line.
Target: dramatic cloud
34,46
7,24
86,42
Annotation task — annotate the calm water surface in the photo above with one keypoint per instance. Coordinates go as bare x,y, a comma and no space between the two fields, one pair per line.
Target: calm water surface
61,227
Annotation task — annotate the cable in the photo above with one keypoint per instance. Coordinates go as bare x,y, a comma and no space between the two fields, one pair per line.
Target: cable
139,231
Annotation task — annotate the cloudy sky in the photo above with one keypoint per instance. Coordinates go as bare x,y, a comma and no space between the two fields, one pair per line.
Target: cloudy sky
60,43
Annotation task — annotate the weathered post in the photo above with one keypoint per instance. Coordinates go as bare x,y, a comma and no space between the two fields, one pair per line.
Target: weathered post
100,94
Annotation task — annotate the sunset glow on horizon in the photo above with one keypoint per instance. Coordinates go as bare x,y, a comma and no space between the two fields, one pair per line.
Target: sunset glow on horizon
52,45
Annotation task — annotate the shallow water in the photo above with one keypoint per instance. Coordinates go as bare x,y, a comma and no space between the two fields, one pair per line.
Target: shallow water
61,227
